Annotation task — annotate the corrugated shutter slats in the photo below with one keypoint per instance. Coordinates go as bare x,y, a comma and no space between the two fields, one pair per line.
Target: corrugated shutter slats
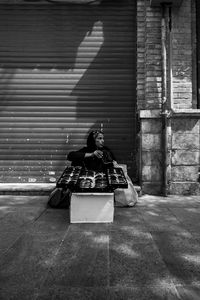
64,70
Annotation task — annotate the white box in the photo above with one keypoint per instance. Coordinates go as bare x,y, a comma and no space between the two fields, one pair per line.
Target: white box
92,208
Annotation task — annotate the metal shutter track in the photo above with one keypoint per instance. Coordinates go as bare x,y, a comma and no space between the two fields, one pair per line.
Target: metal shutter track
65,69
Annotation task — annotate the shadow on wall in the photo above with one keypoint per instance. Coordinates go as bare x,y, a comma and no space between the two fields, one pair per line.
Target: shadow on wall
110,95
40,65
50,66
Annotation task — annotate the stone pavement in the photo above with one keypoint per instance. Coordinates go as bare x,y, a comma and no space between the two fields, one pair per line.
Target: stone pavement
149,252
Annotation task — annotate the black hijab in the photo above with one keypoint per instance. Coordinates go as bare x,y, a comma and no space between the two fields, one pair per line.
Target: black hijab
91,144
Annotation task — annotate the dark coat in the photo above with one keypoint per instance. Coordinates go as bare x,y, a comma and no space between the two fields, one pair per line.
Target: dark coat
91,163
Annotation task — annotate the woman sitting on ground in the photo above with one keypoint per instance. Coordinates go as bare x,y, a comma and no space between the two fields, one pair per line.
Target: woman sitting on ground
95,156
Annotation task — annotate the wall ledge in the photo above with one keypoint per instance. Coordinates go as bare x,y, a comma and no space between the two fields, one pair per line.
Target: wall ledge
175,113
42,2
27,186
176,3
186,113
149,113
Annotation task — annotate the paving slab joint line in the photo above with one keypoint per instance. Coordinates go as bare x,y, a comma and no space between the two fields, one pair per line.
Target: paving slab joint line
45,209
22,233
6,250
108,266
181,223
48,270
173,284
174,215
177,293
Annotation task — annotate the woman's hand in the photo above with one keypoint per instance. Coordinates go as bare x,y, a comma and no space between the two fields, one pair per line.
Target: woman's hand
115,164
98,153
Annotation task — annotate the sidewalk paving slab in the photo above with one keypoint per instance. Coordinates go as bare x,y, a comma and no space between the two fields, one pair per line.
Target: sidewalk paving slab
181,255
149,252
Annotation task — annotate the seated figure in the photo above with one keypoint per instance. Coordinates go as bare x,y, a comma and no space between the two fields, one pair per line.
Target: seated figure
95,156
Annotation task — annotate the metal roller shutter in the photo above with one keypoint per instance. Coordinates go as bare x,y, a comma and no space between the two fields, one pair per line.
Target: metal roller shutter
198,52
64,70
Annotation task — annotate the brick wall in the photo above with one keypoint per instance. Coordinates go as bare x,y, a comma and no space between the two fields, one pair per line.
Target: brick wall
141,33
149,56
182,55
149,60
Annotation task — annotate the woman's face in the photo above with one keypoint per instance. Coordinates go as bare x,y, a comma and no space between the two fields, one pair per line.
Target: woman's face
99,140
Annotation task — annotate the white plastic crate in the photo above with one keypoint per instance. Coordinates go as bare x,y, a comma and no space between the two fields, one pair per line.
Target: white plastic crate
92,208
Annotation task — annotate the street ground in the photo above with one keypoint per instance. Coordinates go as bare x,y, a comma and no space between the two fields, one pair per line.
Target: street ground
150,251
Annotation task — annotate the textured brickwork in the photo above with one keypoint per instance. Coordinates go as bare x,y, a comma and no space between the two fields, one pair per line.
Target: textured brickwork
153,58
182,55
149,56
141,33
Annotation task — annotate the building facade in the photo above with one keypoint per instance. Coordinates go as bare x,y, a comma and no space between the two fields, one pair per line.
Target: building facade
128,67
167,90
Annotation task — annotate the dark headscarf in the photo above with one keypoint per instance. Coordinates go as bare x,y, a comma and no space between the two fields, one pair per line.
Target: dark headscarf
91,144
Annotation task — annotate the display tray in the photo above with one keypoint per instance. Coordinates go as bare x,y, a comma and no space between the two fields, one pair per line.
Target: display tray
116,178
90,181
69,177
86,181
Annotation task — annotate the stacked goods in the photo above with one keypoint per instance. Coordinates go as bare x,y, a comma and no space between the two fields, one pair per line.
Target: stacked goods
86,180
81,180
90,181
116,178
69,177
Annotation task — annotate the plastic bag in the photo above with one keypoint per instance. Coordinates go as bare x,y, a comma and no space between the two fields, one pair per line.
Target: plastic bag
59,198
126,197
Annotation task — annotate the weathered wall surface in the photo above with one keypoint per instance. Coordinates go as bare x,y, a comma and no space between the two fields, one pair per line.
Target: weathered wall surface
182,66
185,157
183,129
151,152
183,154
149,60
149,93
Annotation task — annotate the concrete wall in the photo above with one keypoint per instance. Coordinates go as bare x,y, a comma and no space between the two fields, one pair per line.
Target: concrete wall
185,157
151,152
183,153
